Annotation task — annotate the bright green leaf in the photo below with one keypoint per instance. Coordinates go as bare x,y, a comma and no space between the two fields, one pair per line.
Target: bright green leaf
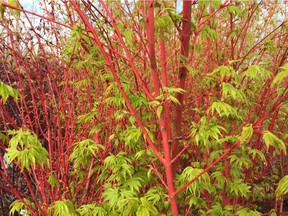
282,187
159,111
271,140
280,75
246,134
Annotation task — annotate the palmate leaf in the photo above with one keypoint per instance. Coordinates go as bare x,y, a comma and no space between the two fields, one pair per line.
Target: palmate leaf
220,178
188,174
146,208
217,209
6,91
247,212
155,195
271,140
134,183
197,202
224,109
19,207
163,22
128,206
12,153
206,131
252,72
256,72
280,75
238,188
15,206
127,194
282,187
132,136
52,180
83,151
234,10
229,90
112,195
26,149
120,165
124,200
256,152
91,209
240,161
63,208
223,71
246,134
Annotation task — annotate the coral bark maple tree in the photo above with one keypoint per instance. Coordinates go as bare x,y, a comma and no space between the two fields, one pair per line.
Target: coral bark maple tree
143,108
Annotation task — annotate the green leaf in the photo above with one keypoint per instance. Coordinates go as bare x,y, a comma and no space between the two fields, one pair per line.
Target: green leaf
26,149
273,213
172,90
220,178
111,195
231,62
280,75
19,207
91,209
163,23
271,140
153,196
63,208
229,90
15,206
174,100
252,72
198,185
132,136
149,173
52,180
217,209
256,152
256,72
2,9
222,71
205,132
128,33
234,10
159,111
192,72
128,206
15,11
238,188
203,4
146,208
134,184
282,187
240,161
3,138
224,109
197,48
6,91
83,151
246,134
247,212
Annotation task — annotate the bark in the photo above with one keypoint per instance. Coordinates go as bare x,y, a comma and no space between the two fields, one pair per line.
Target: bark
152,53
185,38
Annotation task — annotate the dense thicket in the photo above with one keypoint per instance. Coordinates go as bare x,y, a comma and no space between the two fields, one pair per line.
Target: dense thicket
143,108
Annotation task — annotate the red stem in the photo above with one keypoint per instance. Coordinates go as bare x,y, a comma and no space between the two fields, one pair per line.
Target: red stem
151,41
185,38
